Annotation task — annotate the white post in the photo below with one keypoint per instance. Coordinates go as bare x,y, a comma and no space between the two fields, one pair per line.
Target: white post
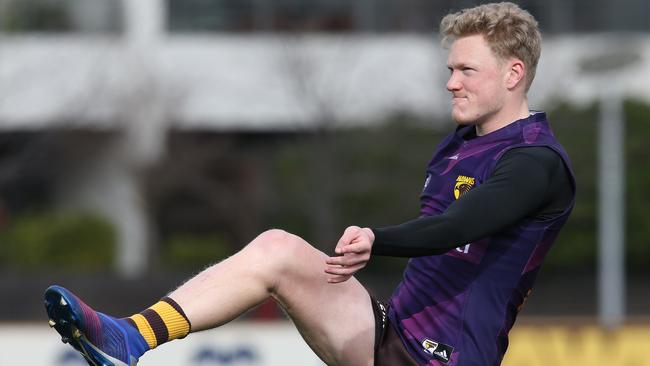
144,132
144,20
611,185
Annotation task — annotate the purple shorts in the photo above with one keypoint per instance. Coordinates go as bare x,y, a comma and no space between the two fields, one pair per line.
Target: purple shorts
389,348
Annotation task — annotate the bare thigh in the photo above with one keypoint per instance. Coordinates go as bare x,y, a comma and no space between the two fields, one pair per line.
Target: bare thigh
336,320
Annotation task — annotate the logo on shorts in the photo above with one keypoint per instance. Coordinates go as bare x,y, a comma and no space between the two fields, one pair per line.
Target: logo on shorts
463,185
427,181
439,351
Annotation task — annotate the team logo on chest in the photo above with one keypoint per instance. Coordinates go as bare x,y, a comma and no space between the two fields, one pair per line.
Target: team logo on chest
463,185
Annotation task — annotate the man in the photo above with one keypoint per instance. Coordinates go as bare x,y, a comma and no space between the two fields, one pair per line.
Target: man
497,192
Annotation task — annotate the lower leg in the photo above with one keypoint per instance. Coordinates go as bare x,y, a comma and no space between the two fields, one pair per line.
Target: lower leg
227,289
213,297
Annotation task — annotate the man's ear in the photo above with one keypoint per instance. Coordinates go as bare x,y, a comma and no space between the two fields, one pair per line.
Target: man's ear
516,73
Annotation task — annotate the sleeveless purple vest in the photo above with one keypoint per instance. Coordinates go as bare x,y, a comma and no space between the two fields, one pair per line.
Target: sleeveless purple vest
457,308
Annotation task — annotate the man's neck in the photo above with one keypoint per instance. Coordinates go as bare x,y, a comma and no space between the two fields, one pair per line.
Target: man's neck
502,118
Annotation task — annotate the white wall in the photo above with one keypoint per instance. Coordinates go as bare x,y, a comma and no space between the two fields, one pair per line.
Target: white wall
266,82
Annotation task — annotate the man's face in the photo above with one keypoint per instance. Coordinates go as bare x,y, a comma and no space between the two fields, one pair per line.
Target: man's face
477,81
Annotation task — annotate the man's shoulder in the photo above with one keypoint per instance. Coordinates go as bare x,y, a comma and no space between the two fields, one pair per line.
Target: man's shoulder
540,153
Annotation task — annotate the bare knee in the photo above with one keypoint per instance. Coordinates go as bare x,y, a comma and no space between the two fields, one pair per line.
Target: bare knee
278,246
278,252
274,237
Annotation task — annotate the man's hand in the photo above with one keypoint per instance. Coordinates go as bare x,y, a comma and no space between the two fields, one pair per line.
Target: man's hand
353,251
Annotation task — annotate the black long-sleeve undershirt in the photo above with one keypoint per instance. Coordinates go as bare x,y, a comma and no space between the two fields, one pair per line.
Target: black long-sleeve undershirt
526,182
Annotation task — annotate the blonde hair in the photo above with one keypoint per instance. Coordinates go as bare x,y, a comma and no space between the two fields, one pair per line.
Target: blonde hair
509,31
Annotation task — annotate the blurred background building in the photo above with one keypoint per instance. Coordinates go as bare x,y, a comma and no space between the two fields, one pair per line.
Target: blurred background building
143,140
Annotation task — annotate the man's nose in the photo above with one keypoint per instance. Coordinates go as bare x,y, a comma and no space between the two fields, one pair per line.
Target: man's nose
454,82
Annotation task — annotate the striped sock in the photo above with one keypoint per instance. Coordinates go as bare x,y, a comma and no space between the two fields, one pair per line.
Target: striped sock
162,322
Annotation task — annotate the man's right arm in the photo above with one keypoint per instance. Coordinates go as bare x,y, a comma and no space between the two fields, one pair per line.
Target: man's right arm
524,182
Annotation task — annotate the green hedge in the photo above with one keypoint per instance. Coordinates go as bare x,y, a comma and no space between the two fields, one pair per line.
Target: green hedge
638,185
192,251
58,241
577,129
33,15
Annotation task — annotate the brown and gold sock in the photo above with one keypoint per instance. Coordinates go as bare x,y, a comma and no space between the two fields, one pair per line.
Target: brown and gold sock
162,322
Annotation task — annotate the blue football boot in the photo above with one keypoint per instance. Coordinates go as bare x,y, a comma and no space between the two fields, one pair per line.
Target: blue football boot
101,339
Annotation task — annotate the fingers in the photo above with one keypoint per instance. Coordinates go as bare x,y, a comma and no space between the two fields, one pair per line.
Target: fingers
344,271
354,240
346,260
341,274
338,279
340,269
357,248
354,252
351,233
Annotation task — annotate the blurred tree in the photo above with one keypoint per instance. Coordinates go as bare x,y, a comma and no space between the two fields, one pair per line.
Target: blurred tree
32,15
637,184
47,241
193,251
576,128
